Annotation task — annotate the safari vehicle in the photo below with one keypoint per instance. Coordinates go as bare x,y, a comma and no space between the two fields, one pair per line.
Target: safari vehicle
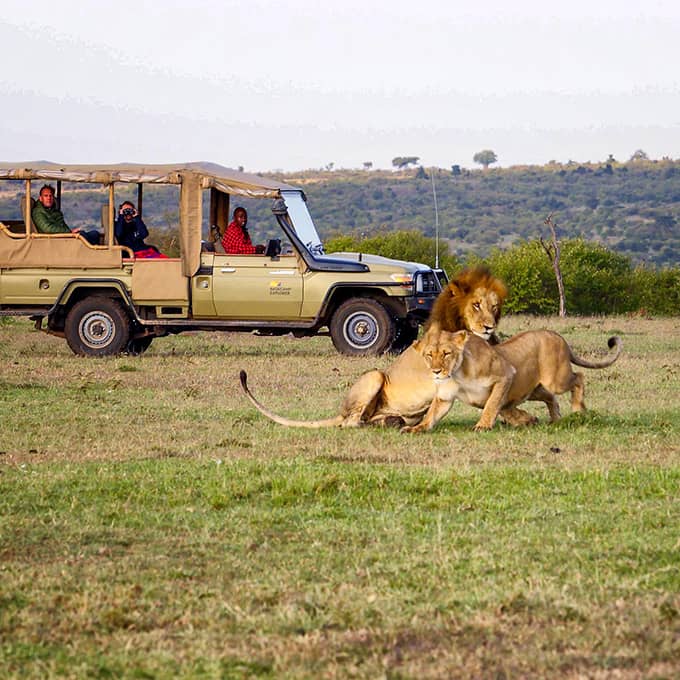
105,302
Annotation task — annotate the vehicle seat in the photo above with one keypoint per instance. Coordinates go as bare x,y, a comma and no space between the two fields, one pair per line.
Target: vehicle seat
215,238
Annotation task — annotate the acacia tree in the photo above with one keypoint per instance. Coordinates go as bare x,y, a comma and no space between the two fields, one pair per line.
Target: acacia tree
552,250
404,161
639,155
485,157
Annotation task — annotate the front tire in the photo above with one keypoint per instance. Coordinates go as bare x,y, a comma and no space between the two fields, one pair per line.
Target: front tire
137,346
407,333
97,326
362,326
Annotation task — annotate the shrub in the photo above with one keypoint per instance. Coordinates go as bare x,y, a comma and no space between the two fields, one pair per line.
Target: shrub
596,280
657,291
527,273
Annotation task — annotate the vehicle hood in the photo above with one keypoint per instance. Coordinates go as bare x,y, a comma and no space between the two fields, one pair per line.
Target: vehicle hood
379,262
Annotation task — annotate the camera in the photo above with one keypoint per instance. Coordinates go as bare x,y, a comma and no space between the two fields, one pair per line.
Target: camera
128,211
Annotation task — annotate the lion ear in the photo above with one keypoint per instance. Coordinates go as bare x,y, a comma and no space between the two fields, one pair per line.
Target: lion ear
460,339
500,290
455,289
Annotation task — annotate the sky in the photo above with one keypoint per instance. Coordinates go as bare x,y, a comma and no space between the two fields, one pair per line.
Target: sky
302,84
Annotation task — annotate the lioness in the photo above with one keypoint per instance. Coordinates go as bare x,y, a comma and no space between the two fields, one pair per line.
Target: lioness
473,301
402,393
532,365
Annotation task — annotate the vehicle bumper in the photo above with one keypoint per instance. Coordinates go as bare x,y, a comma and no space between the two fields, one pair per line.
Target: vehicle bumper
420,306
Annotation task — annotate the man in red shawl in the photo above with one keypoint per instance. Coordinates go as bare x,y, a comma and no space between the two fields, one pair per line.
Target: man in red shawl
236,239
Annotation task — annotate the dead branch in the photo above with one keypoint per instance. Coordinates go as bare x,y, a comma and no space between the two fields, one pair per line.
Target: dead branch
553,251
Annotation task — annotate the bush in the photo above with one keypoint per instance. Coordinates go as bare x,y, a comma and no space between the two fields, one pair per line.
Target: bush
657,291
596,280
527,273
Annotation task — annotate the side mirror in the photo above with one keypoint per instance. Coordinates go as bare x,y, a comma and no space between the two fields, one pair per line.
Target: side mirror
279,207
273,247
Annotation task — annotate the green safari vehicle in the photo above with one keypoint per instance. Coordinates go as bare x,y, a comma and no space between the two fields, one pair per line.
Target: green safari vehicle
104,301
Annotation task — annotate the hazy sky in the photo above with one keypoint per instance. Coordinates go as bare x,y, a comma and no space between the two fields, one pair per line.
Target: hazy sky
301,84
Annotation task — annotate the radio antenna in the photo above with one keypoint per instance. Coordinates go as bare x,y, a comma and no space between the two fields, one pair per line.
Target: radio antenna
436,222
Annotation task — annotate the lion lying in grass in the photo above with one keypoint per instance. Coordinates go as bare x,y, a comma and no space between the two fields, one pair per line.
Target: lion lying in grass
402,393
399,395
533,365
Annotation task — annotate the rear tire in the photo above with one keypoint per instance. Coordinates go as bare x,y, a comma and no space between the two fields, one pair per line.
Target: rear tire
361,327
97,326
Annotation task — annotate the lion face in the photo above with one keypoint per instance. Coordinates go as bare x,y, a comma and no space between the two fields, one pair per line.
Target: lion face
443,352
482,311
472,301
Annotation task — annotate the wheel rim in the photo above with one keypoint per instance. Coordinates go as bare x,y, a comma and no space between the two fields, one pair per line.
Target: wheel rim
361,330
97,329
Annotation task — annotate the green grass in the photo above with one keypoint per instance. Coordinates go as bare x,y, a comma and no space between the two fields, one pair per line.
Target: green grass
152,525
167,567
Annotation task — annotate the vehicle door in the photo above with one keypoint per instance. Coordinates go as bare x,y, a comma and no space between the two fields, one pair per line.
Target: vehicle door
257,286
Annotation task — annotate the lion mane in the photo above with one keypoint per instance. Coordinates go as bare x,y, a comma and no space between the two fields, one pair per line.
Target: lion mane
472,301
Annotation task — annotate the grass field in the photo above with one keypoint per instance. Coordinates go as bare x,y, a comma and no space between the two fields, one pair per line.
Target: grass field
154,525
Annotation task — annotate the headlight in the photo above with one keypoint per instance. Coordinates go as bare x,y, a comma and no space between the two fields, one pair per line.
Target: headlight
427,283
403,278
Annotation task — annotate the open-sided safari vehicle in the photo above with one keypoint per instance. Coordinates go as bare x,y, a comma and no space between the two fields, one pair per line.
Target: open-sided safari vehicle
104,301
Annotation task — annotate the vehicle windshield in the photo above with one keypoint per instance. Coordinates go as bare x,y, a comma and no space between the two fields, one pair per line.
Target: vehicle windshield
302,221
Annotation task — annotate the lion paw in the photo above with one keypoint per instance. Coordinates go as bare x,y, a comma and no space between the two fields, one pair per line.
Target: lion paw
410,428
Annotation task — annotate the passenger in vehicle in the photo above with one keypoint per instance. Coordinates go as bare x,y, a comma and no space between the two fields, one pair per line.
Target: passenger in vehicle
48,219
236,239
131,231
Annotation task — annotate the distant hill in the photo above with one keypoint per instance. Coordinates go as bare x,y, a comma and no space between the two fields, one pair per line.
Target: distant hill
632,208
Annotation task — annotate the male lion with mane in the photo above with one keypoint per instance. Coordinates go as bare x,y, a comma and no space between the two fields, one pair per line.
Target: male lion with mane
402,393
471,301
533,365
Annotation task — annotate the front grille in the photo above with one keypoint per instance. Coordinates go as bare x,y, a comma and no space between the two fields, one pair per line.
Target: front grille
427,283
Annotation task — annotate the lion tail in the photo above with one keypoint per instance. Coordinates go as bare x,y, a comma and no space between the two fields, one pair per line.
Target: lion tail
613,343
312,424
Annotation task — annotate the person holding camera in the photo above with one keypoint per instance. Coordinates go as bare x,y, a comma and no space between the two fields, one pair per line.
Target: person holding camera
236,239
131,231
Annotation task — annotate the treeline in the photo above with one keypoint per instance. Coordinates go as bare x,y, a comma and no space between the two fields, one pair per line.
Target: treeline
596,279
631,208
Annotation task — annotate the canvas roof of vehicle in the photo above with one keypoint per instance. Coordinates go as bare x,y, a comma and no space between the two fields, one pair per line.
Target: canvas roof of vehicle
211,175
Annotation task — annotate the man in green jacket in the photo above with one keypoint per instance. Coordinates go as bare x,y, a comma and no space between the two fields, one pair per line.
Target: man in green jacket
48,219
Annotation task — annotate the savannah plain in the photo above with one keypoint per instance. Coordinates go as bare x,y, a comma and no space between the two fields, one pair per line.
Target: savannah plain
154,525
